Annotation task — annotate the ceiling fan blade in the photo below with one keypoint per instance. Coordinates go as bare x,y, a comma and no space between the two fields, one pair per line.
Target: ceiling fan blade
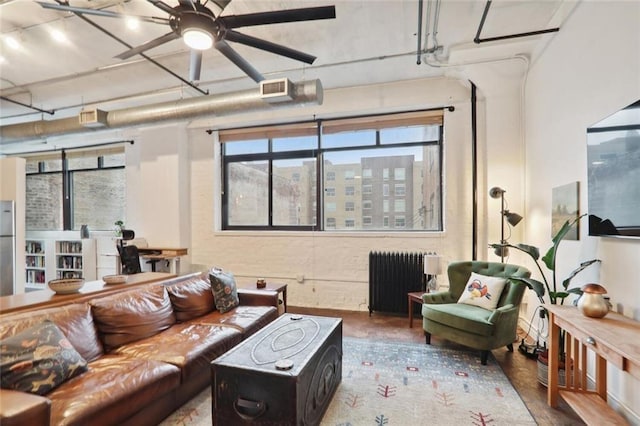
279,16
148,45
195,65
163,6
98,12
224,48
231,35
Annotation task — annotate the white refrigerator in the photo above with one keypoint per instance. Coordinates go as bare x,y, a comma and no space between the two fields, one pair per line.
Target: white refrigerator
7,247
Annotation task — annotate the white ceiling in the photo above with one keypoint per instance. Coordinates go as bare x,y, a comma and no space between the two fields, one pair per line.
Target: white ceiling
370,41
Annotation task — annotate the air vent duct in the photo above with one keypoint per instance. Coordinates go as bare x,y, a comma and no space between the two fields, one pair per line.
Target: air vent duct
276,90
288,94
93,118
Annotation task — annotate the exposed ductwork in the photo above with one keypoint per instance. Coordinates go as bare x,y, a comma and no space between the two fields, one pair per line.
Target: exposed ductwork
308,92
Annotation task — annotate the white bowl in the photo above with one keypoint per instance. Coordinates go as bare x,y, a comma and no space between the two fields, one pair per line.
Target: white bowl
114,279
66,285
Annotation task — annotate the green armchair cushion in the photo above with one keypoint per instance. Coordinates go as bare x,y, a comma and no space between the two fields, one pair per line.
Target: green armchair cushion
461,316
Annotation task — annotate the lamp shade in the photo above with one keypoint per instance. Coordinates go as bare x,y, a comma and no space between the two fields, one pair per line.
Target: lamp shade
432,264
496,192
512,218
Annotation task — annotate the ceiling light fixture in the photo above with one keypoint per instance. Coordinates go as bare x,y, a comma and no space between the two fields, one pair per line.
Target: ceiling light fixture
12,42
58,36
197,39
195,30
133,23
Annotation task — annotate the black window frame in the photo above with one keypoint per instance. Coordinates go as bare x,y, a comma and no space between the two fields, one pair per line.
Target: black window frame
318,153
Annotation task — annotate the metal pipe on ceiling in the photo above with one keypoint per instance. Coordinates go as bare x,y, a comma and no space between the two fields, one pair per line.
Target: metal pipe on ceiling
307,92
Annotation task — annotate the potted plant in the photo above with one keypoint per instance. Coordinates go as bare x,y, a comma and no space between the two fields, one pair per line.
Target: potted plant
557,291
119,227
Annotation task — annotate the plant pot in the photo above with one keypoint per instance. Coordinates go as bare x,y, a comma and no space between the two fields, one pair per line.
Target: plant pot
543,370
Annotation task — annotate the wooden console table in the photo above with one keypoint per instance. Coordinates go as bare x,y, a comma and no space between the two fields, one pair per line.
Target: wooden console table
614,339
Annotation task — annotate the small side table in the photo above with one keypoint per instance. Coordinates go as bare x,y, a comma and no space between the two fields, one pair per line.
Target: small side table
280,288
415,297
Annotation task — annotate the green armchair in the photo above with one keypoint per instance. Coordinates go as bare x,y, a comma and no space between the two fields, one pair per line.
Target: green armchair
470,325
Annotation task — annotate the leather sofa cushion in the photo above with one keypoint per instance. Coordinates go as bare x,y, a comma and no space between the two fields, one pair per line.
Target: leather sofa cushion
471,319
191,298
114,388
75,322
20,409
246,319
191,347
132,315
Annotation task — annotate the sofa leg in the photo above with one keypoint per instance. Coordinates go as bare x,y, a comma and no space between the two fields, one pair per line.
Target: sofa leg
427,338
510,347
483,357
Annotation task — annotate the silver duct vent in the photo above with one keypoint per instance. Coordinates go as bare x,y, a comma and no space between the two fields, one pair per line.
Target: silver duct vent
308,92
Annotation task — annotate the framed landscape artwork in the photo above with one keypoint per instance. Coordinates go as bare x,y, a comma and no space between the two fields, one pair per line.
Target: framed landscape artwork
564,206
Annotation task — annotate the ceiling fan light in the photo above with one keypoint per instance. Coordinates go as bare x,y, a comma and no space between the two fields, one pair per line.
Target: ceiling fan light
197,39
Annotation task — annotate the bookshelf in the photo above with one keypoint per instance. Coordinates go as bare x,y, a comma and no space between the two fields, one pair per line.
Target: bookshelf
47,259
75,259
35,264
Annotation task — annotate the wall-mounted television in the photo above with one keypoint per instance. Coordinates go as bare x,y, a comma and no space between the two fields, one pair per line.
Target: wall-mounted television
613,155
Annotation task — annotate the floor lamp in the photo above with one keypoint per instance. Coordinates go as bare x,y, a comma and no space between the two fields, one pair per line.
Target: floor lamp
512,219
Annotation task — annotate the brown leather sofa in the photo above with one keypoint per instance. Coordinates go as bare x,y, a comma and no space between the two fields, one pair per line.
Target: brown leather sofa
148,351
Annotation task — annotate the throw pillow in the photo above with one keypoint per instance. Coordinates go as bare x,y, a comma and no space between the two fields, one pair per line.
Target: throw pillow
38,359
483,291
225,292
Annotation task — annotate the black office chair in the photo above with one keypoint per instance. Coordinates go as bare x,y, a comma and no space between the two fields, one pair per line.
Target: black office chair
130,259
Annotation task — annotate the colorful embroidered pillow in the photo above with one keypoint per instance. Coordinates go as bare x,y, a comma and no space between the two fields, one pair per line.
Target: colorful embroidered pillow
483,291
225,293
38,359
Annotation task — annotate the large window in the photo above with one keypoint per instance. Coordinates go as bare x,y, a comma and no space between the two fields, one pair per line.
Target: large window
294,176
67,190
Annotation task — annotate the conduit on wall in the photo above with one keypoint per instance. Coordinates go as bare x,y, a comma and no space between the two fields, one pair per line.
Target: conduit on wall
308,92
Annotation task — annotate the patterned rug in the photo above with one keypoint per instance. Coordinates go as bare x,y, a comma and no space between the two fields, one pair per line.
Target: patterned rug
392,383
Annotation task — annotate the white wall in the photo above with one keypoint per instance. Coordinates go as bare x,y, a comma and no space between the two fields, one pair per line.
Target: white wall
590,69
334,265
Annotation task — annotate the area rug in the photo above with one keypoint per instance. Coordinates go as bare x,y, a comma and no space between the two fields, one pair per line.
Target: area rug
392,383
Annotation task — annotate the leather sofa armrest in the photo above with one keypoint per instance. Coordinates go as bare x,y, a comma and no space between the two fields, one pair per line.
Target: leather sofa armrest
21,408
250,297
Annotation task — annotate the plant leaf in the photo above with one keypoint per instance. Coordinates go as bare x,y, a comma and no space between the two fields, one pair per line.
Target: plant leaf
576,271
530,250
535,285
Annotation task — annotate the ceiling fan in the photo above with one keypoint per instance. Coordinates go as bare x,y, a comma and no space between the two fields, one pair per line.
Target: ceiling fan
201,28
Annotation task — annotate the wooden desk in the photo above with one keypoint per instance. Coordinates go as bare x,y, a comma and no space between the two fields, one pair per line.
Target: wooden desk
614,339
47,298
172,255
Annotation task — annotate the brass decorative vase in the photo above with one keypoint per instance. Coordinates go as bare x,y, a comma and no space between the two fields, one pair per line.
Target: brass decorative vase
592,302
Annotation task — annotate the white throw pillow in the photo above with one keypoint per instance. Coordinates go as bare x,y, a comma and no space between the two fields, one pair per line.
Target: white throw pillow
483,291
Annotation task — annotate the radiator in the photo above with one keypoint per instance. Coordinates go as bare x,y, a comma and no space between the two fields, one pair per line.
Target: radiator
391,277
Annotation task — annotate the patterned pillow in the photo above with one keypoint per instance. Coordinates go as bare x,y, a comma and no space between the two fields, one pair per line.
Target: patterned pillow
225,293
483,291
38,359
